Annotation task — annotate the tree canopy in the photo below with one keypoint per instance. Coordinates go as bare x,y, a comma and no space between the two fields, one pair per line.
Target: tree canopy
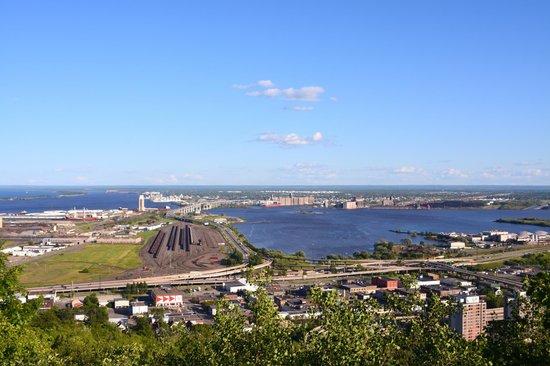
337,332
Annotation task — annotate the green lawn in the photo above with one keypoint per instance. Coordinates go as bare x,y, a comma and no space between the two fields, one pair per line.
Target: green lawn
146,235
92,262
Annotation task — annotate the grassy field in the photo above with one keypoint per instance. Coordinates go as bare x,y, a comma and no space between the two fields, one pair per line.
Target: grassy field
91,262
146,235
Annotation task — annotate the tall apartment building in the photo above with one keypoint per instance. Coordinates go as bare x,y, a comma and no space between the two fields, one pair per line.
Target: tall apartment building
473,316
469,320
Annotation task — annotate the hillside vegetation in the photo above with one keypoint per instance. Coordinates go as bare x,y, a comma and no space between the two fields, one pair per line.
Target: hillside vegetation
344,333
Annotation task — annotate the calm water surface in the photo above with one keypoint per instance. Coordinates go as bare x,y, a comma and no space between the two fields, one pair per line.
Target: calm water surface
14,200
322,231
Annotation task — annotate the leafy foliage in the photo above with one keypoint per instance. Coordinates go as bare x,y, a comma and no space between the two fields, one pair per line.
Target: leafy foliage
336,332
234,258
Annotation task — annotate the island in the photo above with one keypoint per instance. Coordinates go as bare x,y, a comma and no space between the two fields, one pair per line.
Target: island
526,221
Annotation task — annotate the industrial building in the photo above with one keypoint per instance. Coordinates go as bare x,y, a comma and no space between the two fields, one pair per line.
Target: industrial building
385,282
289,200
167,298
457,245
239,285
357,288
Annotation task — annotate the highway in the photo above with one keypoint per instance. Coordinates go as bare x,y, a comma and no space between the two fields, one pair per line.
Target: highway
219,276
373,267
315,276
507,282
229,234
151,281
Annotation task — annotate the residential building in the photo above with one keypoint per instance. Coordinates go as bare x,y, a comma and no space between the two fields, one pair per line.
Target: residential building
473,316
469,320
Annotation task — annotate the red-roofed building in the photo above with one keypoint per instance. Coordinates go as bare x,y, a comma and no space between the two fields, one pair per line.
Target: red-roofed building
167,298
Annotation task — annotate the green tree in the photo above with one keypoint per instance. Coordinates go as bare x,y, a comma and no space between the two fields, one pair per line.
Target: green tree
524,339
254,259
96,314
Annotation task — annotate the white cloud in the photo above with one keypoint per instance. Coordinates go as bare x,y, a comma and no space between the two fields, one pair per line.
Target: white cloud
301,108
522,173
259,83
291,139
270,93
267,89
310,172
306,93
408,170
175,178
265,83
317,136
455,173
334,99
241,86
191,176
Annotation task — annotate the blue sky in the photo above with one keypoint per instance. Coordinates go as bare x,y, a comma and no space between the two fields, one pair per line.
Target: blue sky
275,92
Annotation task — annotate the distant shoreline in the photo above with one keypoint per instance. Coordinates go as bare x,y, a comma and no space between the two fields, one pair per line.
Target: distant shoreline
526,221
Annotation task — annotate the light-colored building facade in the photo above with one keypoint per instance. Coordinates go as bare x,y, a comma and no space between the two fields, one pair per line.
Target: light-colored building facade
473,316
141,203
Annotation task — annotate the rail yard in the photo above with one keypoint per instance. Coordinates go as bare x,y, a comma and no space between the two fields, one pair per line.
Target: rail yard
183,247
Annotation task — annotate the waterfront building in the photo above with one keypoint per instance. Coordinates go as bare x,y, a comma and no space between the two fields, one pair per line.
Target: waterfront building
290,200
525,237
350,205
540,236
457,245
141,203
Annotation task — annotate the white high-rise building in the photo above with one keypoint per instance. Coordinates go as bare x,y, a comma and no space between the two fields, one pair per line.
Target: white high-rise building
141,203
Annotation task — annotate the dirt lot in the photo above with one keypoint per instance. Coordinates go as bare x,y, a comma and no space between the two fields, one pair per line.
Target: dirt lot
182,247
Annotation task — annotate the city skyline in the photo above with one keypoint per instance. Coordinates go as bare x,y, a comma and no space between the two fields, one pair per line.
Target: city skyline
275,94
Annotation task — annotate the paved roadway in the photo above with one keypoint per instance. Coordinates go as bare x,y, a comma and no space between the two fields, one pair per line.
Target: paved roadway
229,234
506,282
151,281
313,276
376,266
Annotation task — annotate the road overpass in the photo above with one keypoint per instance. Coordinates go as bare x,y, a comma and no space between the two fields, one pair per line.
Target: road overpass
315,276
151,281
506,282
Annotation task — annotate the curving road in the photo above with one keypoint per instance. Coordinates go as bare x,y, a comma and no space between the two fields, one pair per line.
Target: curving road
151,281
